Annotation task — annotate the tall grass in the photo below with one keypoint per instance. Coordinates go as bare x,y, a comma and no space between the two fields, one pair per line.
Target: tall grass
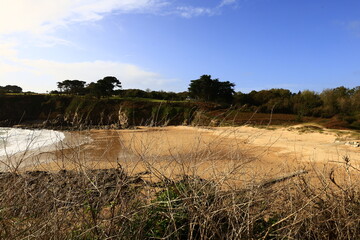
208,189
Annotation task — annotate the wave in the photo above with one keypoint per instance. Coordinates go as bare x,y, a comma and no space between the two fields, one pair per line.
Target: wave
14,140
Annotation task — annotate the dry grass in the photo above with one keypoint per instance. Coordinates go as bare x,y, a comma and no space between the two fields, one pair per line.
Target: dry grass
206,190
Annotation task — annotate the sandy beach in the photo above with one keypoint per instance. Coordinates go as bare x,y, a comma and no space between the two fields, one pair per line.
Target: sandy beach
244,153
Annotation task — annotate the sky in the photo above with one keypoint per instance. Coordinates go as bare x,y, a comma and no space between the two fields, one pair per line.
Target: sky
164,44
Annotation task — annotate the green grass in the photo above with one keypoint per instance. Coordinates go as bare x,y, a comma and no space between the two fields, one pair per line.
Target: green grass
145,99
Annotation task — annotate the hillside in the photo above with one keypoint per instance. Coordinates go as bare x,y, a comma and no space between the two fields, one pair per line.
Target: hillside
63,112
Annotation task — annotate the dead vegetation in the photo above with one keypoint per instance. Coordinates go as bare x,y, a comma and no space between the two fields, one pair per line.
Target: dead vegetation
109,204
162,203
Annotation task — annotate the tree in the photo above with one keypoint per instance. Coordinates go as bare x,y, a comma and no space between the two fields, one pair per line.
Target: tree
104,87
356,99
72,87
11,89
134,93
307,103
336,100
212,90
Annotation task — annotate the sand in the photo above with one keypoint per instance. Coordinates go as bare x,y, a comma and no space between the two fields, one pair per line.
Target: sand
238,154
305,143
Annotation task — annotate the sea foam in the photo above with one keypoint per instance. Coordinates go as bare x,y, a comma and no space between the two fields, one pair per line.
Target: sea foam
14,140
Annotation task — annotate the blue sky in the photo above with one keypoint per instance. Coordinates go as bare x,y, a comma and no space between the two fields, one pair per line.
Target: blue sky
163,44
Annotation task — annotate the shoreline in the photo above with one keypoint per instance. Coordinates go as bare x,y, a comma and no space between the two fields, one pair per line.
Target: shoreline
45,154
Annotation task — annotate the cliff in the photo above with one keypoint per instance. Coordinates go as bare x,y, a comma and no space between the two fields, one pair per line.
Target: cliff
78,111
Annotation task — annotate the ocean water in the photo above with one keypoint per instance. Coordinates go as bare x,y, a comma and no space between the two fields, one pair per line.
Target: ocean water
14,140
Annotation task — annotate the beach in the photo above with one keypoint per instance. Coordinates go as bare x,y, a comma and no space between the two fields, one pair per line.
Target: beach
248,152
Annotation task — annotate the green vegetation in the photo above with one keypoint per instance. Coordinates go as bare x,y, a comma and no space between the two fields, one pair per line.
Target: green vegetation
103,87
75,87
64,111
10,89
340,106
211,90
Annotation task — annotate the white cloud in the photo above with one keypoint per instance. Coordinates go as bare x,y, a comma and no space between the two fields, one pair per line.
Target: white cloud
7,49
44,16
42,75
41,16
38,20
34,23
189,12
227,2
7,68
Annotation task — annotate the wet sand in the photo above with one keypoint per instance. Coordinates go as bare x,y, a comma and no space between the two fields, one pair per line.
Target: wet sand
31,159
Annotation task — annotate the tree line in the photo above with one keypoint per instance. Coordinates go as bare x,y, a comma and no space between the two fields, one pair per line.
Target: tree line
102,88
203,89
340,101
329,102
